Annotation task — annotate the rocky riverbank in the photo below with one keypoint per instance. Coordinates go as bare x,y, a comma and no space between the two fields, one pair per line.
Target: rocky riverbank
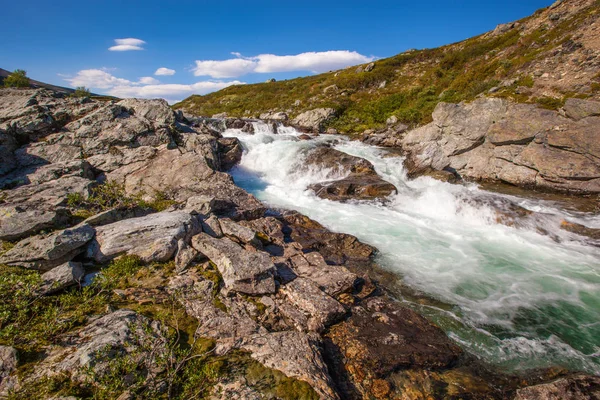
134,267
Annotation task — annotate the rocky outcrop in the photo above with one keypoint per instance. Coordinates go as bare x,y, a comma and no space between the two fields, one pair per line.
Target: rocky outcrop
45,252
61,277
495,140
313,120
153,238
577,387
8,361
243,271
359,179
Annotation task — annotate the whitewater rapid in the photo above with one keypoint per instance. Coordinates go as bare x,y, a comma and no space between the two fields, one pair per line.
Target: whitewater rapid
520,296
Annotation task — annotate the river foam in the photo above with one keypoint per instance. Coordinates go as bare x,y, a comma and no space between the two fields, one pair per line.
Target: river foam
519,296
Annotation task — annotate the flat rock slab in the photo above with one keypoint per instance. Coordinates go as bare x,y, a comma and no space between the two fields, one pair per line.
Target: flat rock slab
242,270
61,277
320,309
295,354
382,336
153,238
46,252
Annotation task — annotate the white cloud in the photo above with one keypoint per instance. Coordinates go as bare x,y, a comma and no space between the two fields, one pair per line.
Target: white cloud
97,79
225,69
268,63
164,71
146,87
148,80
127,44
170,92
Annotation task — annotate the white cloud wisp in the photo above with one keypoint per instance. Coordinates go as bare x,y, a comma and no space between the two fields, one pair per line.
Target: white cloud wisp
314,62
127,44
164,71
147,86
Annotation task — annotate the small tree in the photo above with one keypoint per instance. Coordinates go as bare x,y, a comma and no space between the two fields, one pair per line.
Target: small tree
81,91
17,79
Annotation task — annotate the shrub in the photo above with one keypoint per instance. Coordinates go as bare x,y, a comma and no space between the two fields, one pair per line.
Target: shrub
81,91
17,79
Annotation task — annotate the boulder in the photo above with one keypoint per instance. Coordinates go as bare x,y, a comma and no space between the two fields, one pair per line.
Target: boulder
153,238
492,139
45,252
120,333
319,309
61,277
314,120
16,223
8,361
239,233
295,354
242,270
359,179
578,387
332,279
579,108
274,116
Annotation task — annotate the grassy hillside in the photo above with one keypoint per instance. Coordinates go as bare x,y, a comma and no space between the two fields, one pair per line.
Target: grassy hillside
516,60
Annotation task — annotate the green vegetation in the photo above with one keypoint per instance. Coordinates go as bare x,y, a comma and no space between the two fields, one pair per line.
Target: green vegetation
18,79
408,85
112,195
183,366
81,91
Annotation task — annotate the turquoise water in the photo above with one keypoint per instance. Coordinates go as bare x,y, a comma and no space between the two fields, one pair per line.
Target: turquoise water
519,296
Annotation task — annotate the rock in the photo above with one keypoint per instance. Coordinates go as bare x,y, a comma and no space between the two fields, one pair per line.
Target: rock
153,238
116,214
122,332
336,248
361,180
16,224
382,337
269,229
332,131
8,361
320,309
578,387
46,252
220,115
331,89
579,109
61,277
238,232
243,271
274,116
185,255
314,120
212,226
496,140
369,67
38,174
332,279
364,188
227,324
244,125
295,354
391,120
230,153
582,230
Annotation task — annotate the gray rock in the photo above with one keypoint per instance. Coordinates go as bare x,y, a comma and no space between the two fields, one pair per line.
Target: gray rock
579,109
369,67
153,238
332,279
185,255
16,224
578,387
295,354
238,232
274,116
119,333
61,277
243,271
391,120
314,120
320,309
46,252
8,361
212,226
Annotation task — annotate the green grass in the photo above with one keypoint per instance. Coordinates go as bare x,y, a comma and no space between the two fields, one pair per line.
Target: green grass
416,81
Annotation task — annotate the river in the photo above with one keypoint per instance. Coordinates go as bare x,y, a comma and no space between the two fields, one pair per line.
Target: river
519,296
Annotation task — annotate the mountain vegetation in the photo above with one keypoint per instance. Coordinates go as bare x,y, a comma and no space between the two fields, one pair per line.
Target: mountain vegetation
542,59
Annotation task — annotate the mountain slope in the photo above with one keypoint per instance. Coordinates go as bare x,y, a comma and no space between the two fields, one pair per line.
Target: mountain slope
545,59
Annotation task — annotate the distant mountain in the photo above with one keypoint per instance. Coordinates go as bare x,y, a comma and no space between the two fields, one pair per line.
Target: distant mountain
542,59
37,84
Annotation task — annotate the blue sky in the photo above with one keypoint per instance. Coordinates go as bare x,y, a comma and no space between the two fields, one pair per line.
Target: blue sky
67,42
